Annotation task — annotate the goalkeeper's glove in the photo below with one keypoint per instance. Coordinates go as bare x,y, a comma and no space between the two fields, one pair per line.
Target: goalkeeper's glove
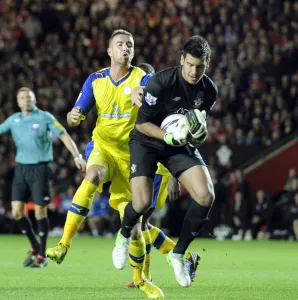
178,136
197,125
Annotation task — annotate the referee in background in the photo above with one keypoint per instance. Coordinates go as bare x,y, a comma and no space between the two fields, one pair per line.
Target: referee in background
31,130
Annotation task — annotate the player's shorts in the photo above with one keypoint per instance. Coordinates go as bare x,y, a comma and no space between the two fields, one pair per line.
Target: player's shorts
117,172
144,158
32,182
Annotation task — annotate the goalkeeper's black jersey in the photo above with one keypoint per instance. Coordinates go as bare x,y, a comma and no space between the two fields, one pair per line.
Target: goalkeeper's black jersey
168,93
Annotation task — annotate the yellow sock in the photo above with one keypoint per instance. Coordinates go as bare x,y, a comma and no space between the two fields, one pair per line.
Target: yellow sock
148,243
160,241
78,211
137,253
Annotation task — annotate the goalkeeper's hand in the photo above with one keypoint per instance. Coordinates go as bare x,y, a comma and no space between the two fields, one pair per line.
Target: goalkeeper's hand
197,125
178,136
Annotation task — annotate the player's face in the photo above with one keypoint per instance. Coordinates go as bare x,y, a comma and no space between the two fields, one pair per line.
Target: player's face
121,49
193,68
26,100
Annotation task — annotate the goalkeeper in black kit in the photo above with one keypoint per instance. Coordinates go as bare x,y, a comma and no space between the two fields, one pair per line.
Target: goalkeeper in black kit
184,89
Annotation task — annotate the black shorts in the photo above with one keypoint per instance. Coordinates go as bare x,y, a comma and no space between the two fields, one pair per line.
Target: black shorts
144,159
32,182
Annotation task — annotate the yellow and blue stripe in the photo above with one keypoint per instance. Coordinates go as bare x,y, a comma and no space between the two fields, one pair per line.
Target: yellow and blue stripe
156,184
88,149
148,248
137,259
78,209
159,240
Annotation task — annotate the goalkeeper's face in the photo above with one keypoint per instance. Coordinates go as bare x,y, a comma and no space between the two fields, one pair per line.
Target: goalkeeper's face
121,49
193,68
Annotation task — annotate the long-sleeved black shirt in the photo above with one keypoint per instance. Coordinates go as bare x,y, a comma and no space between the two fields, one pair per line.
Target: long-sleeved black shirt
168,93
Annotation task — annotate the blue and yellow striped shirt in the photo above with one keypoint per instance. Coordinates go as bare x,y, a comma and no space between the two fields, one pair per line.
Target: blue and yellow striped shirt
116,115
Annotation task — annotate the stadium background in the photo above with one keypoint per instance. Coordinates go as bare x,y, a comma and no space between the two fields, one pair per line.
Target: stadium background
52,46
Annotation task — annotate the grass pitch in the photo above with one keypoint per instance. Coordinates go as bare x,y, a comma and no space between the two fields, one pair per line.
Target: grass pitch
228,270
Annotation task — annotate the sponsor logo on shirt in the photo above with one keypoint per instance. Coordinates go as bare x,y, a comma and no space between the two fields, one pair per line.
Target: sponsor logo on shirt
116,114
181,110
151,100
35,126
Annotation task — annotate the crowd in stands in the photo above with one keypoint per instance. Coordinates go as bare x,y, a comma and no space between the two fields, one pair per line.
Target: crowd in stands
262,215
52,46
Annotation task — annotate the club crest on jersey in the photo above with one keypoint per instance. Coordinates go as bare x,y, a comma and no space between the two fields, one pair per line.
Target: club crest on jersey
199,101
116,114
127,90
133,168
151,100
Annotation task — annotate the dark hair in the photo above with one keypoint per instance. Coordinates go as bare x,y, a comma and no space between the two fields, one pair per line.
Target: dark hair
148,69
26,89
197,47
119,31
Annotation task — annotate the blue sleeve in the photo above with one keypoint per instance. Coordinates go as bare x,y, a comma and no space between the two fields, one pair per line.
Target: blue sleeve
5,126
86,98
145,79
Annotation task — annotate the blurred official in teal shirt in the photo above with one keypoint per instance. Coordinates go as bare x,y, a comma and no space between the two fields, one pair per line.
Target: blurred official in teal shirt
31,130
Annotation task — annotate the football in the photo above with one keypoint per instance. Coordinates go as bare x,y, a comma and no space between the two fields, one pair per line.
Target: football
170,122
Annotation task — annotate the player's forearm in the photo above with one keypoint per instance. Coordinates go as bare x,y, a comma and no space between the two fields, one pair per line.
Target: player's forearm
70,122
151,130
70,144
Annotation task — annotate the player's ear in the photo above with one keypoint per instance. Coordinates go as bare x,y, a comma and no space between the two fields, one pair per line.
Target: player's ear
208,63
182,59
109,52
